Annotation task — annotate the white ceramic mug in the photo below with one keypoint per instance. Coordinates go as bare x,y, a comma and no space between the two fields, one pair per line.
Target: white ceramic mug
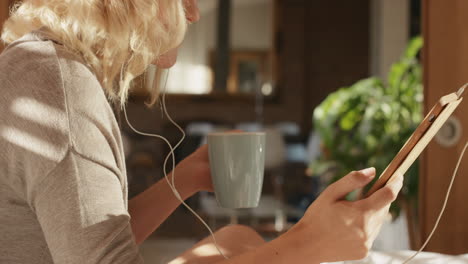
237,162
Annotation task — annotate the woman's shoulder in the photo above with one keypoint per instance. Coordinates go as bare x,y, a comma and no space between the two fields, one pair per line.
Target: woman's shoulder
34,124
28,61
31,97
33,60
43,82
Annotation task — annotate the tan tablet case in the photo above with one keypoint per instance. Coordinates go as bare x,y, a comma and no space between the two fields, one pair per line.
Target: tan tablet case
420,138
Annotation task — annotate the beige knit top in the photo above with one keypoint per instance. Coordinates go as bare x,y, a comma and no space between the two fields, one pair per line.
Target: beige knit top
63,186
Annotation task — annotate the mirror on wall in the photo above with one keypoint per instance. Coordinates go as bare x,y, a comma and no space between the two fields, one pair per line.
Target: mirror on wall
234,37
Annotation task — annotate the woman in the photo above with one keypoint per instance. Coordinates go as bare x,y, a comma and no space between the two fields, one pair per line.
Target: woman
63,189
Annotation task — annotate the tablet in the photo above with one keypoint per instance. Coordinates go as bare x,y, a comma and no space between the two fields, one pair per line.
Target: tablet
421,137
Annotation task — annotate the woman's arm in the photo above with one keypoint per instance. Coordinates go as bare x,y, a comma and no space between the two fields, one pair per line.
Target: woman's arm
332,229
288,248
151,208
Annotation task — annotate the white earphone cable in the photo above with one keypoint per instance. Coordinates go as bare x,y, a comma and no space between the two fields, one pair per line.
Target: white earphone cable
443,207
171,153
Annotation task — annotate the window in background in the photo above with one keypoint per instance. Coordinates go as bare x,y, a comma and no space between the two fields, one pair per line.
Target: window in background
250,41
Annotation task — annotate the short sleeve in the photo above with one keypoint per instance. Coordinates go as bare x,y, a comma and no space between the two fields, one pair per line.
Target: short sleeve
80,208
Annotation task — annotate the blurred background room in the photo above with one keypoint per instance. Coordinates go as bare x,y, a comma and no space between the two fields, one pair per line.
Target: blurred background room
337,85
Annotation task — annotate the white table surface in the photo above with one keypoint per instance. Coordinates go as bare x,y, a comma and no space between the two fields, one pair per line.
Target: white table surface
399,256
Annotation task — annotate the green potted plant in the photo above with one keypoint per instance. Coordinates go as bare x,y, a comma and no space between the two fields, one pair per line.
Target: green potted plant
366,124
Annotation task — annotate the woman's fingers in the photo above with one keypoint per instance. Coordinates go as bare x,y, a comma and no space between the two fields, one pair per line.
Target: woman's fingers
349,183
384,196
379,218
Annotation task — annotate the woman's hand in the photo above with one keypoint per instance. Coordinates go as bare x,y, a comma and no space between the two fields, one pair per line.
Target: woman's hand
340,230
194,171
152,207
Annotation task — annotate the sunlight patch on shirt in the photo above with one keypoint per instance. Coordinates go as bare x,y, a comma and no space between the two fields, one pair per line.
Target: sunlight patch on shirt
31,143
39,112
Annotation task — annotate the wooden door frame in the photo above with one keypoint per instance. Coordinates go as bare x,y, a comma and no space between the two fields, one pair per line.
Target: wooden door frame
445,59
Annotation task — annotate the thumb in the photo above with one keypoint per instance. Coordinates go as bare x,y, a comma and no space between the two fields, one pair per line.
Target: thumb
349,183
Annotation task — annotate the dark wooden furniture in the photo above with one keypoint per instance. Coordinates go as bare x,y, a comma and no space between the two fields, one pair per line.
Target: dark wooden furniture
318,47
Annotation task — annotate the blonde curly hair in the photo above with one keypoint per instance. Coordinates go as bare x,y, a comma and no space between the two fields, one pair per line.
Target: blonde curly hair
118,39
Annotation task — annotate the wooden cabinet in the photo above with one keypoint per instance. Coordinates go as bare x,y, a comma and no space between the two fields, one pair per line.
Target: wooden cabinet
445,69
